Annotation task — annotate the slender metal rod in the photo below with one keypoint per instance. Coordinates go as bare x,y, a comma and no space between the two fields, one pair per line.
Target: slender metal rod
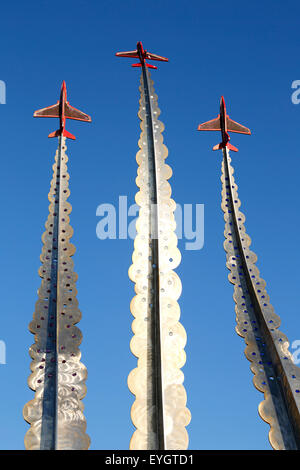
49,401
159,339
155,399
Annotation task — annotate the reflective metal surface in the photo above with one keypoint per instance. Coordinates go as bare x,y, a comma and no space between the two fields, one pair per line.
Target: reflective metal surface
58,377
159,412
275,374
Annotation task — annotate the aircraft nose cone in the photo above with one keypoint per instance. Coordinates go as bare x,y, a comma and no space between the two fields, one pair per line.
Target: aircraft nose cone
222,105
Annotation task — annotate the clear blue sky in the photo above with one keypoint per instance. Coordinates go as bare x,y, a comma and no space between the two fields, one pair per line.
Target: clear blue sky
248,52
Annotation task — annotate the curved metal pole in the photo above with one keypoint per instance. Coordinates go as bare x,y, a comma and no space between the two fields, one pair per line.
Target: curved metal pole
267,348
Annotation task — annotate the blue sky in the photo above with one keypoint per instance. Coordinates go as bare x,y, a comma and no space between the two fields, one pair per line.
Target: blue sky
247,52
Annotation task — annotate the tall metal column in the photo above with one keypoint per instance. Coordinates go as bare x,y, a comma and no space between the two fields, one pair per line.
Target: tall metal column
275,374
58,377
159,412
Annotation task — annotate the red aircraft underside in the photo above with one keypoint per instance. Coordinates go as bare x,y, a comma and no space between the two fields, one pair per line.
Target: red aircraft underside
62,110
142,55
224,124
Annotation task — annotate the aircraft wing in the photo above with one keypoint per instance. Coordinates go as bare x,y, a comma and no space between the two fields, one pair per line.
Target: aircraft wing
233,126
73,113
50,111
151,56
133,54
213,125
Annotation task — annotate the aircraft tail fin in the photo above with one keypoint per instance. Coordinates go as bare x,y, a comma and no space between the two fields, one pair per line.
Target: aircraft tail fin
232,147
150,66
228,145
65,133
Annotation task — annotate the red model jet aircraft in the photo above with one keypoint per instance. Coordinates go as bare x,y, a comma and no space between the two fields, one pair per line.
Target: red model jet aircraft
224,124
143,55
62,110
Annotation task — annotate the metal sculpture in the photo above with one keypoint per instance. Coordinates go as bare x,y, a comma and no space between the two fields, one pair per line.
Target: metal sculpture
159,412
275,374
58,377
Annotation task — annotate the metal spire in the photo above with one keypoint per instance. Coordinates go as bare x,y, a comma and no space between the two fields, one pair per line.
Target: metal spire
159,412
275,374
58,377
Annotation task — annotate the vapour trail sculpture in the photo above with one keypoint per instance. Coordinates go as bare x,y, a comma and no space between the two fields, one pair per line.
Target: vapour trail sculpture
58,377
275,374
159,412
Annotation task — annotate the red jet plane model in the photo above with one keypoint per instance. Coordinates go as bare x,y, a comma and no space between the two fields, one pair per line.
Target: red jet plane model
224,124
143,55
62,110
